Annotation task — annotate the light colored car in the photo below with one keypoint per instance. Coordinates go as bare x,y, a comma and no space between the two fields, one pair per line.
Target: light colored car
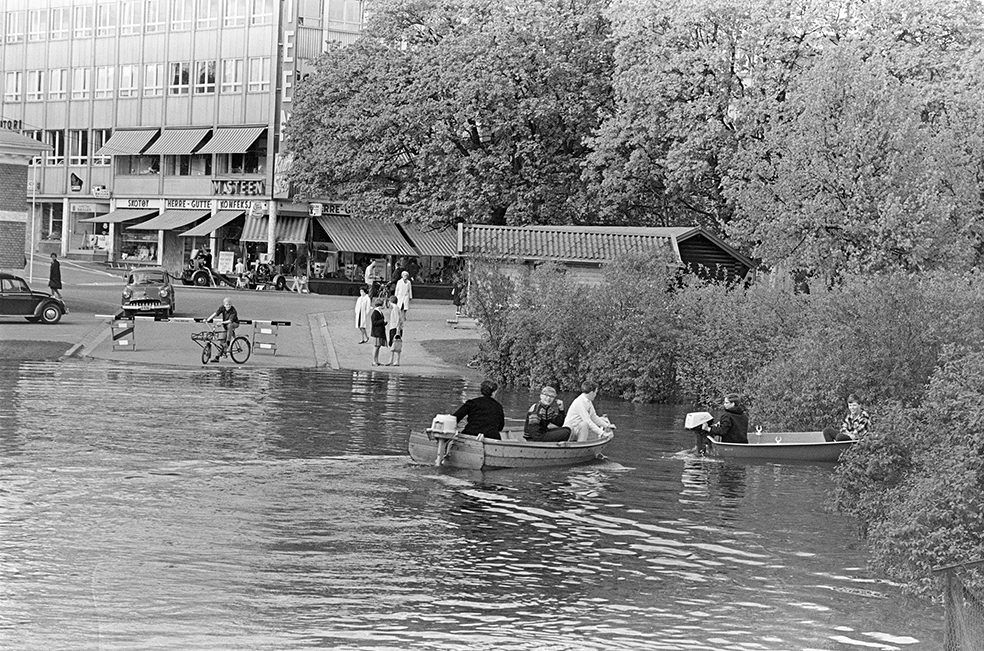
17,299
148,289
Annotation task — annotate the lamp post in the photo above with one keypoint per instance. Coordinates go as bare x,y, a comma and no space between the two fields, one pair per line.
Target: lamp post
34,215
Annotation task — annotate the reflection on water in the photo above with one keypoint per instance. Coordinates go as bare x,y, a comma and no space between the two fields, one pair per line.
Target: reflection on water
235,508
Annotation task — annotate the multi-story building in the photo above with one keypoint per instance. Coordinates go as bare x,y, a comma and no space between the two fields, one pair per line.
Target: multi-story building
164,121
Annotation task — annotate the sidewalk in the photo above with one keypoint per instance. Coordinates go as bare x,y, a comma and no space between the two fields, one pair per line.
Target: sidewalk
322,334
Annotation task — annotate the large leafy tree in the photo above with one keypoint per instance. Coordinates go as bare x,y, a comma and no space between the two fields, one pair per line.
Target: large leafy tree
468,110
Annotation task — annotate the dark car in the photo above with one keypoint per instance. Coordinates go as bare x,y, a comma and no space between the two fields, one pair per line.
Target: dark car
148,289
17,299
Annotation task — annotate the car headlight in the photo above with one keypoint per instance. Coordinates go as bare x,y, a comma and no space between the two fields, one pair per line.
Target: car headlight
163,292
127,293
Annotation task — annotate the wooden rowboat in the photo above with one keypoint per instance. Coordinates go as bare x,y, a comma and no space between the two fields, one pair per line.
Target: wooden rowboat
782,446
456,450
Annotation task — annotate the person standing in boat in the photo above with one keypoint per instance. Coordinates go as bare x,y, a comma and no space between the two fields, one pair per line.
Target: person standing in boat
545,419
732,425
484,413
855,425
582,417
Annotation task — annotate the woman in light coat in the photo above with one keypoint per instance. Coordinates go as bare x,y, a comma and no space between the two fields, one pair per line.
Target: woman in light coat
363,306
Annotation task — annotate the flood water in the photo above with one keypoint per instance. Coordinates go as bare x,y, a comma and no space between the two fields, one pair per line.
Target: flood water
273,510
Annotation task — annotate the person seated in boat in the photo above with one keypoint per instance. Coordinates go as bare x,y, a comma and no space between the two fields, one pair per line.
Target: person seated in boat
855,425
484,413
732,425
545,419
582,418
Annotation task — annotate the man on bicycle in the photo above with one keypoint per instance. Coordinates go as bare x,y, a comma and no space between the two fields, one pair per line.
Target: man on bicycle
230,321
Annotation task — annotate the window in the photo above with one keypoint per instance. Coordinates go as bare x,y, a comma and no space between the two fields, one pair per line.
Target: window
128,80
181,14
235,13
59,23
154,80
83,21
13,86
153,17
208,14
57,83
37,24
138,165
262,13
259,74
35,85
81,80
106,20
232,75
55,138
251,162
188,165
39,136
205,77
130,17
78,147
15,26
99,138
104,81
180,76
345,14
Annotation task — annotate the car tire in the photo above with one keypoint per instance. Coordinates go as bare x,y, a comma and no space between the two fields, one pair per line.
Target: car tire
50,314
201,279
280,283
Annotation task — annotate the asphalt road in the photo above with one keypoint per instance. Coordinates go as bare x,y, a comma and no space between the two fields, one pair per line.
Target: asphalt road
321,333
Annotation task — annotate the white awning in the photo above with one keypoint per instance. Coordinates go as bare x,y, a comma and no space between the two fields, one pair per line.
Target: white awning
126,142
231,140
177,141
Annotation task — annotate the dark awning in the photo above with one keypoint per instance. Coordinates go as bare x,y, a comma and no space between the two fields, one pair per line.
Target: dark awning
213,223
125,142
169,220
365,236
290,230
119,216
437,242
231,140
177,141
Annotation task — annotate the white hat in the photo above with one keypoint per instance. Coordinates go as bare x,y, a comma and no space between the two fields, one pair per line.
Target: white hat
697,418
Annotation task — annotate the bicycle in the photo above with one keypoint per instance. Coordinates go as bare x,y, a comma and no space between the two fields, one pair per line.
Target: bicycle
238,349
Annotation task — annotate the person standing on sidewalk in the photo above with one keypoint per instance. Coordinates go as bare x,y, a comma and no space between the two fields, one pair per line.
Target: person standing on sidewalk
404,292
363,306
378,329
54,279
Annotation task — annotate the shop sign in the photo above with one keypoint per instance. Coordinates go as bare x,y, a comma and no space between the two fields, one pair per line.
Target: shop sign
100,192
314,209
249,188
188,204
76,184
13,125
90,207
137,203
335,209
237,204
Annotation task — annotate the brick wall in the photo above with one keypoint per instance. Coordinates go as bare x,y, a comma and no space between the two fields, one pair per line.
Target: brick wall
13,216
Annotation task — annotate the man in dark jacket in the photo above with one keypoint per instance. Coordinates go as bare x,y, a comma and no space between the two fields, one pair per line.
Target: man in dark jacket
732,426
545,419
484,413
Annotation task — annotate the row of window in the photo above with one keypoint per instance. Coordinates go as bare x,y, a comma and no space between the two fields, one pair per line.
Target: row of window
179,78
134,17
81,145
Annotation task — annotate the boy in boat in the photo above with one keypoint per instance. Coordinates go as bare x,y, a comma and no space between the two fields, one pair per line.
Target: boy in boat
545,419
582,418
484,413
855,425
732,426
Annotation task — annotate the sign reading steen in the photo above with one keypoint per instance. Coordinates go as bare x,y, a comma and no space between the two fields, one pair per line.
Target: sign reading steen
16,235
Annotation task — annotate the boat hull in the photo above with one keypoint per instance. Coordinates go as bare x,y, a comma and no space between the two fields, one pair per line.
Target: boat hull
462,451
791,446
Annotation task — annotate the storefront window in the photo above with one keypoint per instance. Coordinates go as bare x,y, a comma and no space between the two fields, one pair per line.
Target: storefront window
138,245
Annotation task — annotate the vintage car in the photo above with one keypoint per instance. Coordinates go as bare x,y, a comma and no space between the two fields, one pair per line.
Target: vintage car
148,289
17,299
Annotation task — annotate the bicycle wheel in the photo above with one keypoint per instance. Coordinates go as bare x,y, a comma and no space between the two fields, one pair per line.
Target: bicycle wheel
239,350
206,352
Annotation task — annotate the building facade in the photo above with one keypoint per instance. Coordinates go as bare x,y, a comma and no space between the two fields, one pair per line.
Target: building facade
163,120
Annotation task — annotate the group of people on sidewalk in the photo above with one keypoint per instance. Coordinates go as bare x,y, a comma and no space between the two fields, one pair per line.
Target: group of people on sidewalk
546,420
382,325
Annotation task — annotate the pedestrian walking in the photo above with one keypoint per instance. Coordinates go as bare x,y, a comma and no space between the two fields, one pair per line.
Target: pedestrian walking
54,278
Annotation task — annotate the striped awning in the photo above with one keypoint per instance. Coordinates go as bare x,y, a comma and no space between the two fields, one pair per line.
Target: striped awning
436,242
177,141
169,220
125,142
290,230
213,223
119,216
365,236
231,140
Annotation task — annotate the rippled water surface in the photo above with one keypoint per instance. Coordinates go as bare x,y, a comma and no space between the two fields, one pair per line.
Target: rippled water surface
235,508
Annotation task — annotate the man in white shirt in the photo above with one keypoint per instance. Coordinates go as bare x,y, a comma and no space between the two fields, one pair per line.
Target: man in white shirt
582,417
